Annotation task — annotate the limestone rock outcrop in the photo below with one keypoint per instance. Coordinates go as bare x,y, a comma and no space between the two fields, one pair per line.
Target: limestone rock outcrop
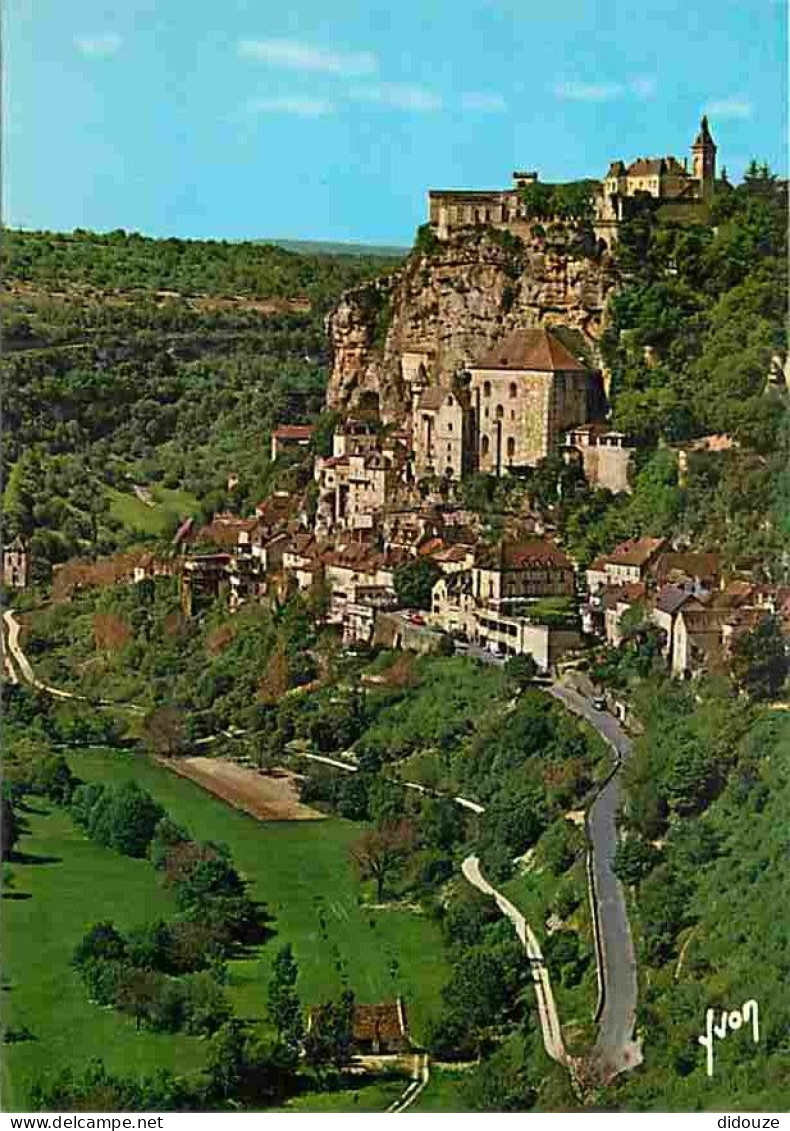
454,300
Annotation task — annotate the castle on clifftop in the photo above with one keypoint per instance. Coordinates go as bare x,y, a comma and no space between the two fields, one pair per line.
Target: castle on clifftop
666,179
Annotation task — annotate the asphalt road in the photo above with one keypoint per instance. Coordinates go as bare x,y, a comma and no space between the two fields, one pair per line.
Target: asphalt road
615,1045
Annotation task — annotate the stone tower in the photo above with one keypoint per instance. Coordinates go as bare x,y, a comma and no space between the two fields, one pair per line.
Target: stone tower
703,160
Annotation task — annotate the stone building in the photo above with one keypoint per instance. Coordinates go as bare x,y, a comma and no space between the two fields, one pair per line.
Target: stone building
441,432
16,564
627,563
606,459
453,209
525,393
290,436
352,489
664,178
513,572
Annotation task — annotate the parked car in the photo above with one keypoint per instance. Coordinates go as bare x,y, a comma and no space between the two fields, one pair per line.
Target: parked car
415,618
599,702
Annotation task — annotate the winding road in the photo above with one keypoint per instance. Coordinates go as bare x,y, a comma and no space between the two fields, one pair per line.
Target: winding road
13,655
617,976
547,1009
615,1048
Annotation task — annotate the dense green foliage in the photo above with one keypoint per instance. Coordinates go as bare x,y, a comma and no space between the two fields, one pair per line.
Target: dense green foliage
152,362
706,904
127,260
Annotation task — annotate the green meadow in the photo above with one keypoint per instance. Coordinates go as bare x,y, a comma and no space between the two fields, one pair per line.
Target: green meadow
300,870
169,506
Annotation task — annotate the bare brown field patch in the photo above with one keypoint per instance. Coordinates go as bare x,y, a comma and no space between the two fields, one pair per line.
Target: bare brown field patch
269,797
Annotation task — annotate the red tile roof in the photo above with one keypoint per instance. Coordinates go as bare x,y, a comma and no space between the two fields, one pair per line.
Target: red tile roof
293,431
534,350
521,555
636,551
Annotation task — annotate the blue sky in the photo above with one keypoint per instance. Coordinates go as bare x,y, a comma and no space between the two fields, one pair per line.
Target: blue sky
329,119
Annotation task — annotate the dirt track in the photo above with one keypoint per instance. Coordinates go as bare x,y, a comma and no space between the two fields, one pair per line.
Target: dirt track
269,797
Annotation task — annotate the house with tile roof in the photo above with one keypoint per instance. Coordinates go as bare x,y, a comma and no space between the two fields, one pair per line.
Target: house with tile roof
512,572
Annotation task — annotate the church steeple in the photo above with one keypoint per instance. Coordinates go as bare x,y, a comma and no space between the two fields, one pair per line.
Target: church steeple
703,159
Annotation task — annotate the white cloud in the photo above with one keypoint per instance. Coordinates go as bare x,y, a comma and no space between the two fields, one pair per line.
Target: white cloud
588,92
643,86
640,86
296,56
401,97
98,46
301,107
737,106
486,102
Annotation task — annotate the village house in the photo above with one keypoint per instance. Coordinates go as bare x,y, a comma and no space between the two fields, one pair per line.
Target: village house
628,562
514,572
355,437
453,607
359,615
353,489
697,643
290,437
16,564
615,604
376,1030
702,571
519,636
667,605
441,432
203,579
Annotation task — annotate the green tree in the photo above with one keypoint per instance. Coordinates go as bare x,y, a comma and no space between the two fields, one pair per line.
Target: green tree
329,1037
759,663
414,583
285,1008
380,852
9,828
521,670
634,859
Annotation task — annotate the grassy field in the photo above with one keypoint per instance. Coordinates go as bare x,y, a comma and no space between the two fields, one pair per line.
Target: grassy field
138,516
376,1096
442,1092
61,884
300,870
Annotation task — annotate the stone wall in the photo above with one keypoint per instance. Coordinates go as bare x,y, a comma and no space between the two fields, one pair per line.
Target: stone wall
454,304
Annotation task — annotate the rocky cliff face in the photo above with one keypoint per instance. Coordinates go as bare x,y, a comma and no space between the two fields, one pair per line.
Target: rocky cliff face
454,301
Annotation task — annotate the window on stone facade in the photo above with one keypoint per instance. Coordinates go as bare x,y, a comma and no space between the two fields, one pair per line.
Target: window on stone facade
511,447
500,412
512,414
486,388
449,427
450,401
484,445
513,390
